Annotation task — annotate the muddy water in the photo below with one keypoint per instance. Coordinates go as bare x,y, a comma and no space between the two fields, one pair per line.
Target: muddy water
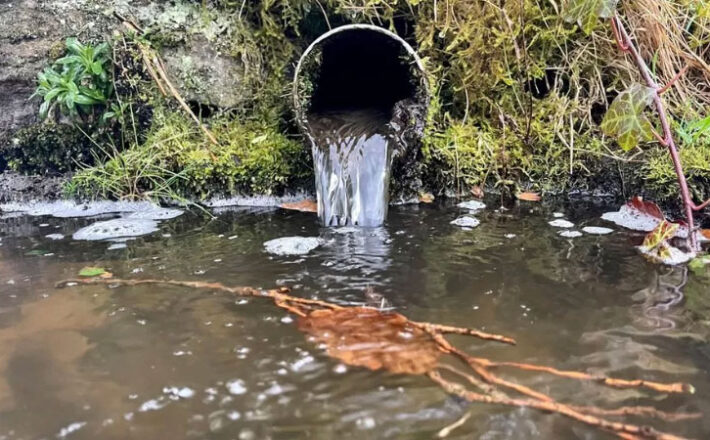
163,362
352,157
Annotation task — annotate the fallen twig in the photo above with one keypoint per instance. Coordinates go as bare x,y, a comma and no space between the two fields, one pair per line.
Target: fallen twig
367,337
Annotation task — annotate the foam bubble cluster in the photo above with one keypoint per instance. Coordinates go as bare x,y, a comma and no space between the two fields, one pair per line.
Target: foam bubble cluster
292,245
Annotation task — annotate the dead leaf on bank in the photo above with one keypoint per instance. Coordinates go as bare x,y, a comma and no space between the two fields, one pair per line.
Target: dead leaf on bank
307,205
365,337
477,192
426,197
529,196
646,207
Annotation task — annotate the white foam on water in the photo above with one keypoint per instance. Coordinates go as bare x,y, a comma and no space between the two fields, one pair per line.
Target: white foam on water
236,387
557,215
596,230
675,256
180,392
472,205
560,223
257,201
466,221
55,236
292,245
69,208
117,228
153,405
631,218
635,220
570,234
70,429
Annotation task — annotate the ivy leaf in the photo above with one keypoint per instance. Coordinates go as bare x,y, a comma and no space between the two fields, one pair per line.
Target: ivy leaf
91,272
659,236
586,13
625,118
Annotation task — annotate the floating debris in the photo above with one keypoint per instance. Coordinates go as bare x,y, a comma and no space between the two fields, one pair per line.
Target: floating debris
117,228
68,209
560,223
570,234
292,245
597,230
236,387
70,429
472,205
466,221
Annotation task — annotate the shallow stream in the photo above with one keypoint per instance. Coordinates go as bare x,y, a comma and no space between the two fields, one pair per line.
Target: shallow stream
153,362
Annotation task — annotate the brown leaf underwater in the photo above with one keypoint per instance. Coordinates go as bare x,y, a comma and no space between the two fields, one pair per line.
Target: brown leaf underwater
366,337
307,205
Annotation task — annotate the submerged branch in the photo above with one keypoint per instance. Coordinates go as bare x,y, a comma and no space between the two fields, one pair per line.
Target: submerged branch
371,338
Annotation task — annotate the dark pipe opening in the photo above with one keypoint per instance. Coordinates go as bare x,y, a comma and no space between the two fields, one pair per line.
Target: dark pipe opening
362,69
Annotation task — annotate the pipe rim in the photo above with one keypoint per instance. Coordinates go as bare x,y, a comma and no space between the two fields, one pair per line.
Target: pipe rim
300,116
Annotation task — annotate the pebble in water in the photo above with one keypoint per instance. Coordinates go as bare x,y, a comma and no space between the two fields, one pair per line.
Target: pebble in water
292,245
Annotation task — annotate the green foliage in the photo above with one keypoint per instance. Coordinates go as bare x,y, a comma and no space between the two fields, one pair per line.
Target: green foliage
587,13
626,119
76,82
177,160
47,148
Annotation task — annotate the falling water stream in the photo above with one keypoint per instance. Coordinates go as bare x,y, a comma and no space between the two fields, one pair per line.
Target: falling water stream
352,157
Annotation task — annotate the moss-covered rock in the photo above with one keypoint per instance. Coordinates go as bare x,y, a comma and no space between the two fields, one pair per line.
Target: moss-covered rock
48,149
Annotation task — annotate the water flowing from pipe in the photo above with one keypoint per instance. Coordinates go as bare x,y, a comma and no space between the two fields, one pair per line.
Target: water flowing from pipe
352,158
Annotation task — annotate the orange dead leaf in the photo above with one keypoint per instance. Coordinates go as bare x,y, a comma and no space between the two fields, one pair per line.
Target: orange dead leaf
529,196
307,205
366,337
705,233
477,192
426,197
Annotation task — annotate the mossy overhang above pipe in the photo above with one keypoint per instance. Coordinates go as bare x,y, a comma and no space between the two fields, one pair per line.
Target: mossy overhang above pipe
357,66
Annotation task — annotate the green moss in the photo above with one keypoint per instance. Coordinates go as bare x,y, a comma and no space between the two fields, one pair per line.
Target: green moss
48,148
177,160
484,61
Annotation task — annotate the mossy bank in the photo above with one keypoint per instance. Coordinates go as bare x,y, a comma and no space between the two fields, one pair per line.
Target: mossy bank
517,95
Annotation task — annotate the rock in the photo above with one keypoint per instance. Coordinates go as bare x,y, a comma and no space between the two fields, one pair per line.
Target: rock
292,245
30,32
204,75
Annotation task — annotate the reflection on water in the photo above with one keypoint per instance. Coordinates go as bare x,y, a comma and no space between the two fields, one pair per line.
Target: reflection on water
164,362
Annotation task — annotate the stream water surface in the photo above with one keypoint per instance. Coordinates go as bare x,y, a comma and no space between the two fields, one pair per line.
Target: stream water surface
153,362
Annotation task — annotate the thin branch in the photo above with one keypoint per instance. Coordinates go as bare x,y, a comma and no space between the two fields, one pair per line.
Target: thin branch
670,83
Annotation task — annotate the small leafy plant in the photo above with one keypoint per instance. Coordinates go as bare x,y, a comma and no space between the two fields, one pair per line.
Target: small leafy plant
78,83
626,120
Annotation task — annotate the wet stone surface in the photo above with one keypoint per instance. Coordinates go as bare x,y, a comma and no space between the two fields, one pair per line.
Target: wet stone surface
148,362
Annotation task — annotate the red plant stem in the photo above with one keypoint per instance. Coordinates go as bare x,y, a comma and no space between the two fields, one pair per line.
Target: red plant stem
626,43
